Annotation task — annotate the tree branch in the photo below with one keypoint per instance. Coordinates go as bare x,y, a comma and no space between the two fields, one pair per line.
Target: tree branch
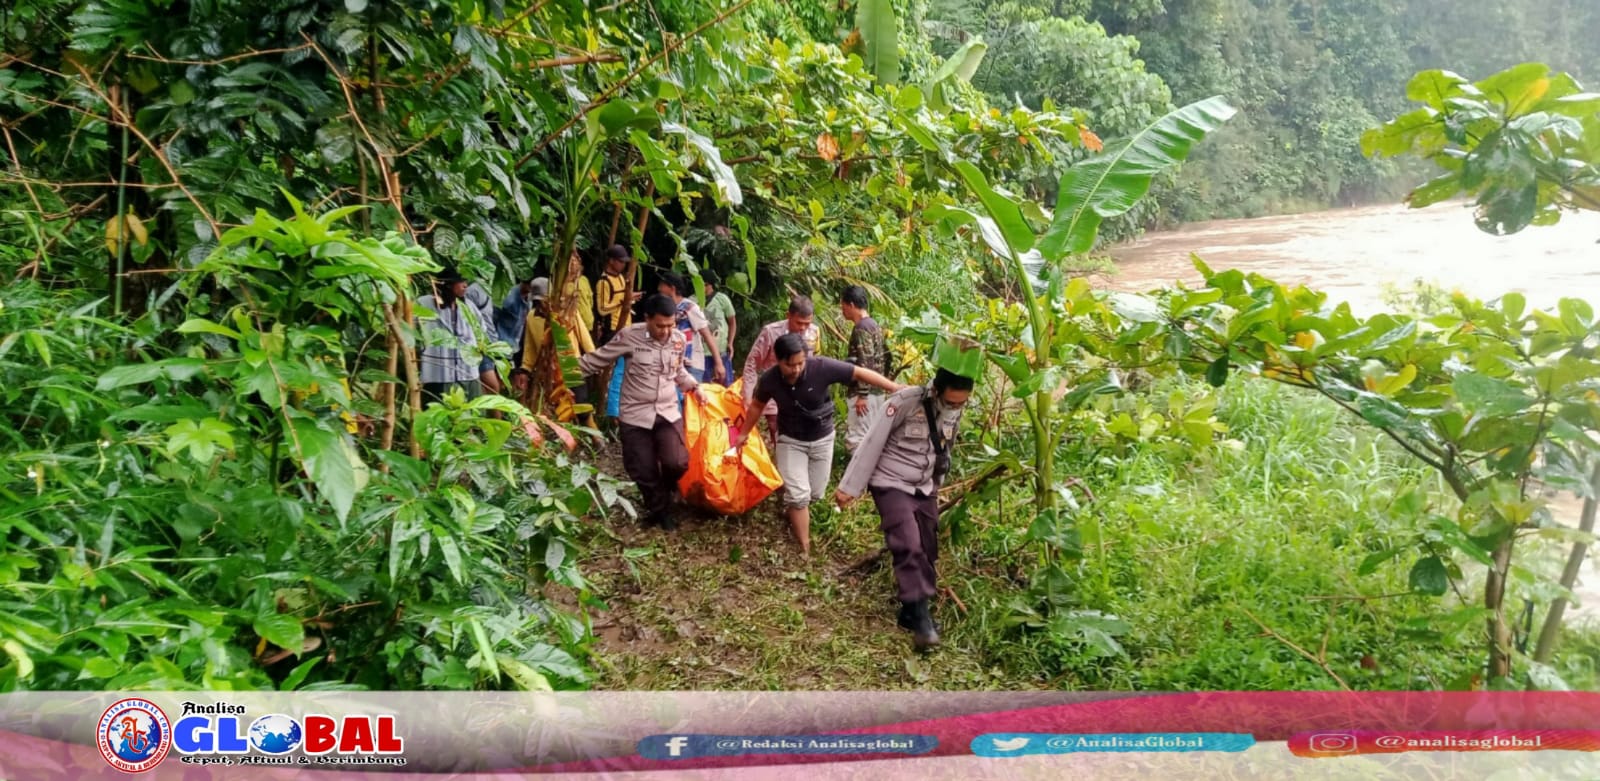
611,92
391,181
244,56
1303,652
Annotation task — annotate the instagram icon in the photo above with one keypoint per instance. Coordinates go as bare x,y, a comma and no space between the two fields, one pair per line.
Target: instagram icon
1332,743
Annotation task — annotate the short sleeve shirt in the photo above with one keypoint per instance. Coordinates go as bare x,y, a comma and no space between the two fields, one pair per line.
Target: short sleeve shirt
805,409
690,319
718,310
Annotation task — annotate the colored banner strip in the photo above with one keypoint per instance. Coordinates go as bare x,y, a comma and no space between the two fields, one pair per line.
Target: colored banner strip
1019,744
692,746
1342,743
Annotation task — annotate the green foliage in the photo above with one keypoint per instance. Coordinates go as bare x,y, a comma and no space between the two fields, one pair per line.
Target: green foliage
1184,544
1523,143
1112,183
880,31
1309,78
206,518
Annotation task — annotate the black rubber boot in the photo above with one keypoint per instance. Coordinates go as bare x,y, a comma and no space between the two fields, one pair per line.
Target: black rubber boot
924,634
904,619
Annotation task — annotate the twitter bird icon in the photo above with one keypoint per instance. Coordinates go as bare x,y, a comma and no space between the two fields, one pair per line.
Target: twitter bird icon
1010,744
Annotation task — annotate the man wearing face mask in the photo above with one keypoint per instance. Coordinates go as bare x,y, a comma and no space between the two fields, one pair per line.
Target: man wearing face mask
903,461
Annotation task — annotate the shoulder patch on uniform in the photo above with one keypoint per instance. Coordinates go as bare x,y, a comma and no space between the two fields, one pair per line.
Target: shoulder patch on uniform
889,411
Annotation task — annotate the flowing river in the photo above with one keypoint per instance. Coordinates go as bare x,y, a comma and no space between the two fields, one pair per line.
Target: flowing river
1356,255
1352,254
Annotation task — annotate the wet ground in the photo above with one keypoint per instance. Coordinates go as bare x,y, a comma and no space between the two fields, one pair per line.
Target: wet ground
1355,254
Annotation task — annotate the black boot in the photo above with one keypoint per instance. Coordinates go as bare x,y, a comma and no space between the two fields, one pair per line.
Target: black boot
904,619
924,634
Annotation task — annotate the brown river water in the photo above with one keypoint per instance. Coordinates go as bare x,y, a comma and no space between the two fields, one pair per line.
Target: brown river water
1354,254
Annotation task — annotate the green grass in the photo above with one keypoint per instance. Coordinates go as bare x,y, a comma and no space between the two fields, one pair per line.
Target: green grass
1198,549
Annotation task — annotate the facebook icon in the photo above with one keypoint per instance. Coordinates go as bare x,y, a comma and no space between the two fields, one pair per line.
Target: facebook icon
673,746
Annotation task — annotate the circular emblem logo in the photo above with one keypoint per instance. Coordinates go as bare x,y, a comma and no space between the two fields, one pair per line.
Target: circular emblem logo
275,734
134,735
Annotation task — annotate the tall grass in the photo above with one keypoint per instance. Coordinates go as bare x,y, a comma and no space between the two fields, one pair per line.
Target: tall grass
1237,569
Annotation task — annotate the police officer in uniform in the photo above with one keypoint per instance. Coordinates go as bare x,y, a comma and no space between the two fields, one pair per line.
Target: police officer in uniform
902,461
653,449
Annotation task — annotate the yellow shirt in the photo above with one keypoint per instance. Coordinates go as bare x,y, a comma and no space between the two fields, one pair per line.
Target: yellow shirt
536,336
585,294
613,300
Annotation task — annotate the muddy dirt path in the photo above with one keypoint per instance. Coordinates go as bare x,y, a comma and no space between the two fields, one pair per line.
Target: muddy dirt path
1354,254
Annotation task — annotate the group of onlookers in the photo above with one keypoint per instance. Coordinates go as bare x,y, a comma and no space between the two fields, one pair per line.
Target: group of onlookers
900,441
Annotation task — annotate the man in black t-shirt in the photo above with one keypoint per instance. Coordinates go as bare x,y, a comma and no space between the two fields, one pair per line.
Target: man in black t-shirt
800,387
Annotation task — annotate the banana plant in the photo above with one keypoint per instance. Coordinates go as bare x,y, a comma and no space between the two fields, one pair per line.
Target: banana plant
1103,186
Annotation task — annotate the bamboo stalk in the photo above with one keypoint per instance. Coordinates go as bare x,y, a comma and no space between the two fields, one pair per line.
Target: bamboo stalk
1569,576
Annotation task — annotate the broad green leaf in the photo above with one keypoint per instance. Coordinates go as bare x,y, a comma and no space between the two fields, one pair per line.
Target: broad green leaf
201,438
727,182
177,369
523,676
1576,315
1016,367
298,675
1434,87
1217,372
551,660
1429,576
333,463
1111,183
1370,564
880,31
918,133
1512,306
1420,131
450,551
1136,308
20,654
1005,212
1434,191
1381,412
480,637
198,325
1517,87
100,667
282,630
908,99
959,357
1486,395
1581,105
962,64
41,347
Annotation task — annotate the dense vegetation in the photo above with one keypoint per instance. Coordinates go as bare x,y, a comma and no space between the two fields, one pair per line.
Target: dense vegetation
218,471
1309,76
